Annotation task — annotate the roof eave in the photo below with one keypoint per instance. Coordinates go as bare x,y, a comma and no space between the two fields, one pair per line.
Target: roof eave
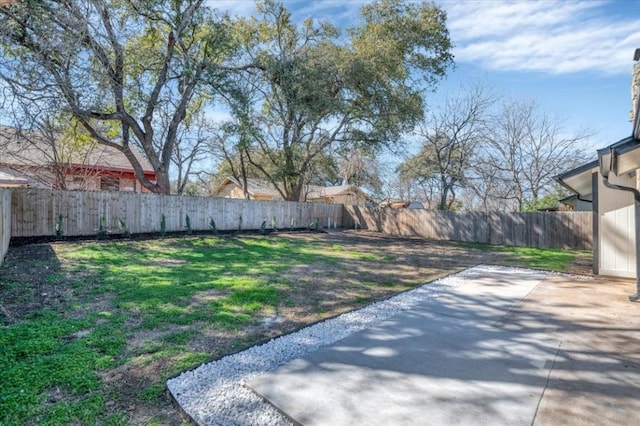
620,158
578,180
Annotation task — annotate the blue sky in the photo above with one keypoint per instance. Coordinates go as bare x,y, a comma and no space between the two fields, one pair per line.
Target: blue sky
573,57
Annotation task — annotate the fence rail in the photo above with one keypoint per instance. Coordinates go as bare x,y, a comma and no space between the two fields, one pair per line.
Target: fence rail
39,212
570,230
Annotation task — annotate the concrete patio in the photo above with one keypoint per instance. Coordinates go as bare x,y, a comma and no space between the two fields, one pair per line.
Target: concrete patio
513,347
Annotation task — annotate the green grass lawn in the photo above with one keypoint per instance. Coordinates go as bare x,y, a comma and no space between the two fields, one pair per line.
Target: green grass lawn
130,314
53,361
527,257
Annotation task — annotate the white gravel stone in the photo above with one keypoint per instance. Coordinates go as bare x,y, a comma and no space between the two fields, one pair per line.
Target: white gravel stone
215,393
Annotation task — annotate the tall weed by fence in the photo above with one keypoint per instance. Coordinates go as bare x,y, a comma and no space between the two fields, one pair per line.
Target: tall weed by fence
570,230
42,212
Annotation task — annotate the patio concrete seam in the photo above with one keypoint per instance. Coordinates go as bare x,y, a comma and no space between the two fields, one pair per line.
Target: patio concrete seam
546,384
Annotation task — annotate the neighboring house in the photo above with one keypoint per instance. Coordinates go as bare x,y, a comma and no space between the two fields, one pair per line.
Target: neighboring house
394,204
575,204
413,205
27,159
9,179
341,194
258,189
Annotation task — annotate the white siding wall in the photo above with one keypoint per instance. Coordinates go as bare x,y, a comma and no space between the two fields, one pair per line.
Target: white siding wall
616,230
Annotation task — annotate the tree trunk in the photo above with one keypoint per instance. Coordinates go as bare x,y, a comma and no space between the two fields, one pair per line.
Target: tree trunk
163,185
443,200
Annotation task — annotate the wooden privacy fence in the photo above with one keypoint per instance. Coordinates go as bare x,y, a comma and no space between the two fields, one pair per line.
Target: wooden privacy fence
42,212
5,222
571,230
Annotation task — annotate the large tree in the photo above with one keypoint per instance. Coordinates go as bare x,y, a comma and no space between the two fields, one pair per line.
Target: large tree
449,139
310,91
527,147
129,71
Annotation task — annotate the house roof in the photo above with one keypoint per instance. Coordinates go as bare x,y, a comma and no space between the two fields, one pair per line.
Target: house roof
31,148
255,187
316,191
11,178
259,187
578,180
621,157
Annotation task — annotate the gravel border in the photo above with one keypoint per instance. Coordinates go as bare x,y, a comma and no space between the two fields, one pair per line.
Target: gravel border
215,392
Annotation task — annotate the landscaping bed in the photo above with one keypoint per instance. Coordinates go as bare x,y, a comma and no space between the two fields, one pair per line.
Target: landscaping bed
91,330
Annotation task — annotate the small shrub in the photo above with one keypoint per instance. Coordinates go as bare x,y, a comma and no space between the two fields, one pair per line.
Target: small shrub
212,226
102,227
163,225
123,228
59,226
187,224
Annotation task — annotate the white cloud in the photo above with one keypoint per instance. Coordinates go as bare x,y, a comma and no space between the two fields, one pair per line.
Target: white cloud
242,8
547,36
338,12
551,36
341,13
218,115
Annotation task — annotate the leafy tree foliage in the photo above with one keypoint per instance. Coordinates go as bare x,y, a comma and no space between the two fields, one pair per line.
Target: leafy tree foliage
549,201
311,92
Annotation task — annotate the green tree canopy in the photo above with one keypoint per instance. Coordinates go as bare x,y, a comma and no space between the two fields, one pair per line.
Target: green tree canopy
310,91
